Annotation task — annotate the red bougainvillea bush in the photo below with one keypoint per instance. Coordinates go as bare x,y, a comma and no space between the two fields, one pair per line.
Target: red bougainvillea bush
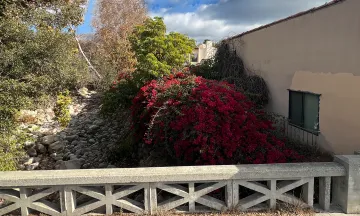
200,121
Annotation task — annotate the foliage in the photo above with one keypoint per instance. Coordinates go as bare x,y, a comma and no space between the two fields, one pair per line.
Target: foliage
295,140
200,121
12,99
45,59
121,93
61,109
38,58
228,66
157,52
11,150
253,86
109,49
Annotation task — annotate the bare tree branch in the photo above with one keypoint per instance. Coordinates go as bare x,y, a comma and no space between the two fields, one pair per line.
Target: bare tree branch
87,60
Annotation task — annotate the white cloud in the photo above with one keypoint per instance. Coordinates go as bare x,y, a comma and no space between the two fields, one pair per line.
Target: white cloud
231,17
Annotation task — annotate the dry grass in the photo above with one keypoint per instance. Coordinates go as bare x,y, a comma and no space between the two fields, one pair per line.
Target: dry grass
233,213
285,211
27,119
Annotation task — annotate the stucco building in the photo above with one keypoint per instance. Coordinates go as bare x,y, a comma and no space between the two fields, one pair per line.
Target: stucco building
311,63
203,51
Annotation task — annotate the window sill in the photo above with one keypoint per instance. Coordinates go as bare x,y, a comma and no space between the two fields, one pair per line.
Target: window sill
304,129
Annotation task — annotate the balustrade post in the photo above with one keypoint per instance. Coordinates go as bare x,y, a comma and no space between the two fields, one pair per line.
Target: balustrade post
229,194
324,192
346,192
70,200
308,192
109,199
272,187
153,198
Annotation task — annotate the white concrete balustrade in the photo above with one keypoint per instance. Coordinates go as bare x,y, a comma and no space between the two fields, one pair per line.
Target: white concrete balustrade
189,189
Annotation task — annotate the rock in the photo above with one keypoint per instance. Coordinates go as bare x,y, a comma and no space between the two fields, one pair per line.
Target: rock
72,138
86,166
79,152
61,135
30,161
31,152
29,144
93,128
102,165
49,139
32,166
92,141
74,143
84,92
71,164
59,158
66,156
56,147
111,166
73,157
82,160
40,148
41,118
99,122
53,155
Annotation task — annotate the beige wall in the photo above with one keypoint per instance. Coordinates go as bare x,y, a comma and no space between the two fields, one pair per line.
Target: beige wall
318,52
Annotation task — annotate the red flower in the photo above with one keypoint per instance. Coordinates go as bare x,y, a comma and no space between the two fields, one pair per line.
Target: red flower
205,122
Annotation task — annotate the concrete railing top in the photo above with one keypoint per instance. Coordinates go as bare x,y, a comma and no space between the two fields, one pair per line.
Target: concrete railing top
169,174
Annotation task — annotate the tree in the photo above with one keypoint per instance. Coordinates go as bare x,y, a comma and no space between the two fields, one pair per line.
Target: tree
157,52
38,58
114,22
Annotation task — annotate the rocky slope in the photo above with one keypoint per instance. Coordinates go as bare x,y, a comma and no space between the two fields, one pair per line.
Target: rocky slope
85,143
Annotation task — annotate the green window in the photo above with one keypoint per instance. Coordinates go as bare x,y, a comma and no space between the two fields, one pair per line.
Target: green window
304,110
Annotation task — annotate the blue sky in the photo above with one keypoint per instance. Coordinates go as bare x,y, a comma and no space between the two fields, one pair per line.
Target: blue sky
215,19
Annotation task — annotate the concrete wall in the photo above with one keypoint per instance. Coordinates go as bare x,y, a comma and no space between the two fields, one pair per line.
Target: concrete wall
142,188
317,52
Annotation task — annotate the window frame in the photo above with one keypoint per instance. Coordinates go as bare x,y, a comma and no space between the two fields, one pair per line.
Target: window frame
303,94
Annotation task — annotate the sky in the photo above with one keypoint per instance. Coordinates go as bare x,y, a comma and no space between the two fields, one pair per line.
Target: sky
215,19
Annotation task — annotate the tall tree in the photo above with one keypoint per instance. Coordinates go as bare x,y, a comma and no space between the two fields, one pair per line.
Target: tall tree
158,52
38,58
114,22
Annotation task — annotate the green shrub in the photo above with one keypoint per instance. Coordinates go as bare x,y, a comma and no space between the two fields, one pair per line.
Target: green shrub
158,52
121,93
38,58
228,66
123,151
61,109
11,149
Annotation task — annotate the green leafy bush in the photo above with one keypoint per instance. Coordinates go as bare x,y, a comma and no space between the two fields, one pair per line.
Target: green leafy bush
157,52
121,93
61,109
11,149
228,66
38,58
